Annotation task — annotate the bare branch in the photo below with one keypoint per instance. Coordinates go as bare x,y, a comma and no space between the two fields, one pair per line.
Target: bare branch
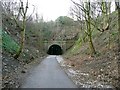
26,8
31,14
80,6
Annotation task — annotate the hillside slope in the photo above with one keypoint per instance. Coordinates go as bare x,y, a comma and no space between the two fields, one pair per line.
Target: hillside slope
95,71
14,70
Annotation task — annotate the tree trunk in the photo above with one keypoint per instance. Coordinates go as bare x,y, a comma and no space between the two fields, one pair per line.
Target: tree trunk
21,44
92,49
108,21
22,39
92,46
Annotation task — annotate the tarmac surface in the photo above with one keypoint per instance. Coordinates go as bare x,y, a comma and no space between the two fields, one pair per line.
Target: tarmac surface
48,74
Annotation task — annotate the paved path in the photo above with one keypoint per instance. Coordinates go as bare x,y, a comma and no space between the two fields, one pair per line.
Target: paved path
48,75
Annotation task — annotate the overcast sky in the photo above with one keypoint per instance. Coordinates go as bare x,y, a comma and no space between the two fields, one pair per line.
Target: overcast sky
51,9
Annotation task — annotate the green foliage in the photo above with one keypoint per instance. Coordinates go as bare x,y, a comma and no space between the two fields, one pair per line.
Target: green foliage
77,45
8,43
64,20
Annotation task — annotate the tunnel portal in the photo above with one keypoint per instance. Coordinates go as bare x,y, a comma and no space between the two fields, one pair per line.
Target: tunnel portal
55,50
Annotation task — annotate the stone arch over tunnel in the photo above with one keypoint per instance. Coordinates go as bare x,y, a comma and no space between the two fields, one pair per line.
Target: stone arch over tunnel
55,50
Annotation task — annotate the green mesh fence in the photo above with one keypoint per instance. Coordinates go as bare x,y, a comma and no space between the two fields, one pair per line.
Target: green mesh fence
8,43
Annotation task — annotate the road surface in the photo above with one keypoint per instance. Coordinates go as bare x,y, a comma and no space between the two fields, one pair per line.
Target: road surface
48,74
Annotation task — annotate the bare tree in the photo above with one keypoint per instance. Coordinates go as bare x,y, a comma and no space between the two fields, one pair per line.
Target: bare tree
97,9
23,12
84,9
17,12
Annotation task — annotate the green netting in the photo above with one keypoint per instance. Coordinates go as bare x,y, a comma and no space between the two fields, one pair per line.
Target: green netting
8,43
0,38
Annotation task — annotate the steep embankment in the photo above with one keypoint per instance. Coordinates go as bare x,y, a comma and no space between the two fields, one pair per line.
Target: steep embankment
14,70
100,70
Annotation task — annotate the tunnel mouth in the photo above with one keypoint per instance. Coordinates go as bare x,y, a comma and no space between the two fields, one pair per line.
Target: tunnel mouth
55,50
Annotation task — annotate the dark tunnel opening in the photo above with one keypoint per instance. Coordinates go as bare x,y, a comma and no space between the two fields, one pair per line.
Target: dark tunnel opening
55,50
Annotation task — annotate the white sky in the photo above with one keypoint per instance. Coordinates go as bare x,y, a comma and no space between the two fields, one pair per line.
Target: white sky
51,9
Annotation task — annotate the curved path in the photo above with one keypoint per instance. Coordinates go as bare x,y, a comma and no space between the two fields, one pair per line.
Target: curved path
48,74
